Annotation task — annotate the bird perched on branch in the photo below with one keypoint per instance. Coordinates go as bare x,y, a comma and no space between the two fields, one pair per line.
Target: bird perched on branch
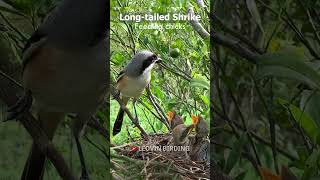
65,71
174,119
132,80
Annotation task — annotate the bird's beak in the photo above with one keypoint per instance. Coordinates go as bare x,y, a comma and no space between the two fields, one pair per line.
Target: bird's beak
159,60
186,132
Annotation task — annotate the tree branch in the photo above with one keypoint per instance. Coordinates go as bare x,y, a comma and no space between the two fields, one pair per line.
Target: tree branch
39,137
157,107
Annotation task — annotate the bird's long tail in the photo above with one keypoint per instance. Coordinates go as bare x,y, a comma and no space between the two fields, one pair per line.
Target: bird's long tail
34,167
118,123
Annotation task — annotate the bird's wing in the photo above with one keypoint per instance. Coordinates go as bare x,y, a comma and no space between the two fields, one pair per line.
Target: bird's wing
120,75
33,46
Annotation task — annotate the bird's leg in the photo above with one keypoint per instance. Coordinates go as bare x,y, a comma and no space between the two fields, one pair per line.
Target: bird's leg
21,107
135,110
78,124
84,173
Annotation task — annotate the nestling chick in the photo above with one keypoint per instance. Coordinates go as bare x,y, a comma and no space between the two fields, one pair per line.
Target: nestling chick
201,147
201,127
180,134
174,119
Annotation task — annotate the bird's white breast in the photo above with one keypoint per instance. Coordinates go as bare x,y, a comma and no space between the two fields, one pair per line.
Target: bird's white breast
135,85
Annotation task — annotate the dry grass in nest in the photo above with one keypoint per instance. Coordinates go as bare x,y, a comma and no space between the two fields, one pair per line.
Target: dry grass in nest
130,163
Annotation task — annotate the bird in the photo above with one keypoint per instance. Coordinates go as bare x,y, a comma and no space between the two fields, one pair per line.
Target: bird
180,137
180,134
201,127
200,150
132,80
65,71
174,119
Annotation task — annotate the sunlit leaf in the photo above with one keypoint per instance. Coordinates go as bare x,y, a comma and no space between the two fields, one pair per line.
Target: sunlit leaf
303,119
200,82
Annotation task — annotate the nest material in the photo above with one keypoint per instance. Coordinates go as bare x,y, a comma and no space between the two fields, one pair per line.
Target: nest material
159,164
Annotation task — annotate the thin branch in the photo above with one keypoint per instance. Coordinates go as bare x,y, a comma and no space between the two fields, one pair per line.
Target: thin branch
39,137
271,121
235,46
23,38
310,21
95,124
197,26
11,79
289,21
157,107
236,34
258,138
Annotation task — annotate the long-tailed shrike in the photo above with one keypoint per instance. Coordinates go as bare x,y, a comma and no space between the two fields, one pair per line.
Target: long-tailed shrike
132,80
65,71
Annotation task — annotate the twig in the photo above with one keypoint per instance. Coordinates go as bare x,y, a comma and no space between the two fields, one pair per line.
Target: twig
174,72
157,107
235,46
98,148
23,38
235,34
271,121
197,26
310,21
95,124
11,79
294,28
258,138
39,137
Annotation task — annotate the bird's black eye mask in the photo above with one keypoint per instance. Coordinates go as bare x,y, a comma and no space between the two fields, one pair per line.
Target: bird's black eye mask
148,62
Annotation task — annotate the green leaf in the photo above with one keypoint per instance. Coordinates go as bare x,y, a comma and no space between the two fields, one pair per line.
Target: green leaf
200,82
235,153
312,165
9,10
22,5
241,176
205,99
252,7
303,119
310,103
288,64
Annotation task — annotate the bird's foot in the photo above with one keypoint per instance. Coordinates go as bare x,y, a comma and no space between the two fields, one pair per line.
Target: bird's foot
136,120
116,94
21,107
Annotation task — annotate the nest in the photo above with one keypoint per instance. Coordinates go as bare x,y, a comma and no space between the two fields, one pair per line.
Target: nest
155,158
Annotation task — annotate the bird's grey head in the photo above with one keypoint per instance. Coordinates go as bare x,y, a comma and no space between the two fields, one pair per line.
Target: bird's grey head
142,62
78,22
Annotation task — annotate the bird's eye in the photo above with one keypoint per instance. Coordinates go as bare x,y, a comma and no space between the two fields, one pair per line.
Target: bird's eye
153,57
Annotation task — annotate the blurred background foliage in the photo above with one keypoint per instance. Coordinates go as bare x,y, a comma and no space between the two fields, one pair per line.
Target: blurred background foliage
18,20
266,88
180,83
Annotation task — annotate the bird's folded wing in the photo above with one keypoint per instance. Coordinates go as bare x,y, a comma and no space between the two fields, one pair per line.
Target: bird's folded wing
33,45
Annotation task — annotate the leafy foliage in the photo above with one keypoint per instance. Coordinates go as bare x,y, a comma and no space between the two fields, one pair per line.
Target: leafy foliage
181,83
275,101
